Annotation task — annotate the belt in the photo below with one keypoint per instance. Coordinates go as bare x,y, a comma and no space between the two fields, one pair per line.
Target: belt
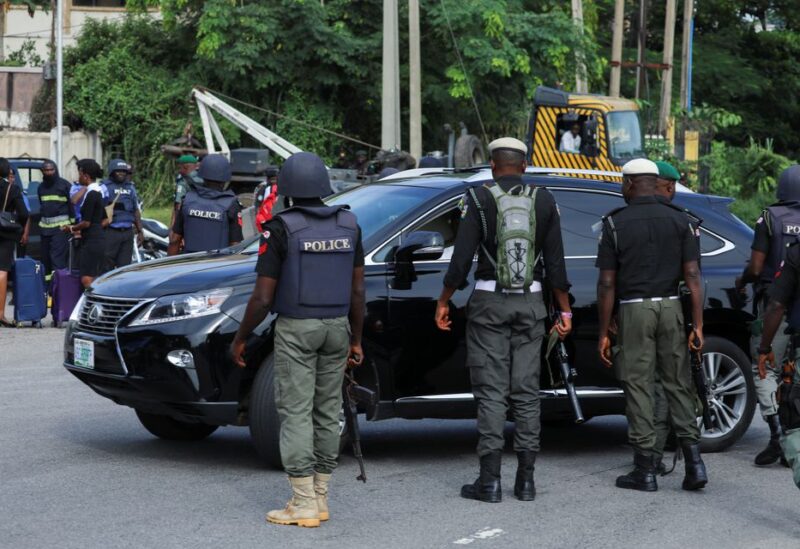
491,286
643,299
121,228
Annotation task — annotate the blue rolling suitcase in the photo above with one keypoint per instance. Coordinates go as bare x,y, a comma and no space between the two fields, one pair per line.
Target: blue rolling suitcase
30,293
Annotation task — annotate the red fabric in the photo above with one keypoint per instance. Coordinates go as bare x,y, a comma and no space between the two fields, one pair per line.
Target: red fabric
263,215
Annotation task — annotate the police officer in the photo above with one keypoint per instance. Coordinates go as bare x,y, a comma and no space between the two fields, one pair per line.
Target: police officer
645,249
666,187
782,298
505,327
56,212
120,192
186,179
210,216
312,275
777,226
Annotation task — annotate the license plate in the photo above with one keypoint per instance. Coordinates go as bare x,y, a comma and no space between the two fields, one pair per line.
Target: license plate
84,353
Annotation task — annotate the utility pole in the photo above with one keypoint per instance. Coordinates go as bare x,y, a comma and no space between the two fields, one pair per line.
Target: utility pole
616,48
59,83
641,71
414,82
686,55
390,104
581,84
666,75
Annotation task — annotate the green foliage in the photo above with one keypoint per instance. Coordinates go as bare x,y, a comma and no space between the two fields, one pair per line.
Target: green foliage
302,107
25,56
744,172
121,81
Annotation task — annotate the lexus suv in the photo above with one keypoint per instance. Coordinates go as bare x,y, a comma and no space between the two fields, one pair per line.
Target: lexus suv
155,336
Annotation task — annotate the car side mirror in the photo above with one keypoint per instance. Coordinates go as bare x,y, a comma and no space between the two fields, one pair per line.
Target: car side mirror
416,247
420,246
589,138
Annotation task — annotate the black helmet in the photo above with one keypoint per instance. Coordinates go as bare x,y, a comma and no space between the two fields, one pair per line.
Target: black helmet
117,165
789,184
304,175
215,167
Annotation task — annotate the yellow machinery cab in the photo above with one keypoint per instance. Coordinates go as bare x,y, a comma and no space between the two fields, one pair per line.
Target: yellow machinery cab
604,133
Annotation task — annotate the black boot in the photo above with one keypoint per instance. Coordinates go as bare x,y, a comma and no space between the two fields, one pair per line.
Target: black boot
524,488
661,469
772,452
643,476
487,487
696,476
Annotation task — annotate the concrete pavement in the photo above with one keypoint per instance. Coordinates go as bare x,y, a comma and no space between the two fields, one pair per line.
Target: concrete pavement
78,471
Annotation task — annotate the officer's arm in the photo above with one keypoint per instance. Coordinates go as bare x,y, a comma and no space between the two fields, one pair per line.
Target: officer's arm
753,269
174,247
606,290
257,310
758,253
692,279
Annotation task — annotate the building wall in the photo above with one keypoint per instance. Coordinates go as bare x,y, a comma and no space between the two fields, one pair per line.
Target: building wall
77,145
21,27
18,88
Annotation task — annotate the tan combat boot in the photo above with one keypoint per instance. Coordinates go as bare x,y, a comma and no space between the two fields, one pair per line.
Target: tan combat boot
321,489
302,508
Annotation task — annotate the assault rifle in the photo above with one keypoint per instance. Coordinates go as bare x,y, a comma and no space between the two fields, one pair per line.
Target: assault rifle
568,372
351,420
698,373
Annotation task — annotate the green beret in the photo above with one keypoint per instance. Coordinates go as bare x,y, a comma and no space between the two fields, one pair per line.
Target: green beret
187,159
667,171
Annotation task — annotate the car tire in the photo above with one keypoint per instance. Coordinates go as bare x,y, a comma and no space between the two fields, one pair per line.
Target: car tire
265,425
468,152
170,428
733,393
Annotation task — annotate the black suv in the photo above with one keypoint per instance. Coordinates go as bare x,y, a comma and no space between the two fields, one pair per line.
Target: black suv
155,336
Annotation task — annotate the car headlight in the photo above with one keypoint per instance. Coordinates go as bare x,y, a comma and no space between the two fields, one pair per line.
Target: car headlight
181,307
75,315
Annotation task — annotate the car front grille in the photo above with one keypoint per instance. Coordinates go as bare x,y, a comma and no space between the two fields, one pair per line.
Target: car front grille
100,315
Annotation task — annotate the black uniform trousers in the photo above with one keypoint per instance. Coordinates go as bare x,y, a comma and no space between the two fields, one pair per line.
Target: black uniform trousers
55,252
119,247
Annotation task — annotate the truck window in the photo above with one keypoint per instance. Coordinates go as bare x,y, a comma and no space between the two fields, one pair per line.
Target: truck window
624,135
569,129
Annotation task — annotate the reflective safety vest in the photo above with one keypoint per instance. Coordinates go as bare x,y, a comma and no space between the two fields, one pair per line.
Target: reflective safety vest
317,273
205,219
54,206
783,226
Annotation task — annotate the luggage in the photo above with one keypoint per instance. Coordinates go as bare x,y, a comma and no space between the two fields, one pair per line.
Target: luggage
30,294
66,290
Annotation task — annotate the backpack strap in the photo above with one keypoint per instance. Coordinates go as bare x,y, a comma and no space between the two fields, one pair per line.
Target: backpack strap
484,227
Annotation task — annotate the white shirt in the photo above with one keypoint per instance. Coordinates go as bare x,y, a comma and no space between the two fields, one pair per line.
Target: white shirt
570,143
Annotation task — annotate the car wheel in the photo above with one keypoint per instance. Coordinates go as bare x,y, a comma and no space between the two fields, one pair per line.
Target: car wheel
265,425
733,393
468,152
170,428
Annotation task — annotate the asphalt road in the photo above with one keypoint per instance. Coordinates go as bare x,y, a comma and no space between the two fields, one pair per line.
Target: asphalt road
79,471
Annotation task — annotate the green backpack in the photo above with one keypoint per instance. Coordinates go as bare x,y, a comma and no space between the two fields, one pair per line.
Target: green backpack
516,235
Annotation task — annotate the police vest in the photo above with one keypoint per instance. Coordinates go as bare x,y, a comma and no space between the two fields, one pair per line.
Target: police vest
54,206
125,206
317,273
205,219
783,226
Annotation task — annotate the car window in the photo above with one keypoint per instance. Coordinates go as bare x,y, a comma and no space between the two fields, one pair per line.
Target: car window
377,205
580,213
30,179
445,223
709,243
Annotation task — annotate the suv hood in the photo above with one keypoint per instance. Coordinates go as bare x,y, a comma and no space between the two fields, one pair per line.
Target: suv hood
178,275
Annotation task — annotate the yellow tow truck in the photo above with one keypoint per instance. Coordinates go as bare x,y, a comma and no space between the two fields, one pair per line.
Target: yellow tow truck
583,133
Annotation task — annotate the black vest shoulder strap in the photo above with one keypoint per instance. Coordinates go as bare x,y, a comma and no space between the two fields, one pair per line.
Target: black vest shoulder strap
692,218
608,220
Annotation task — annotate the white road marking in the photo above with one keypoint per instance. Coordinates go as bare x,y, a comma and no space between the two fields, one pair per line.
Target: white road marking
485,533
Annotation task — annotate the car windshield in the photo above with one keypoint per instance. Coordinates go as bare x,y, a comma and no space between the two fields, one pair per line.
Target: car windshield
376,206
625,135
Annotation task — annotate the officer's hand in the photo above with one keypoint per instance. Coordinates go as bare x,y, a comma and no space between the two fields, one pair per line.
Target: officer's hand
563,328
24,239
139,238
739,284
765,361
237,353
443,321
697,341
604,348
356,356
